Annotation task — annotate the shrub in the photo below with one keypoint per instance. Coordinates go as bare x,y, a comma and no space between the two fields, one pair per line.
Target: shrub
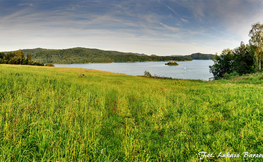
231,75
50,64
147,74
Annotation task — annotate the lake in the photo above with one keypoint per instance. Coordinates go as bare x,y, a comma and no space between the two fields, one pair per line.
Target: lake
196,69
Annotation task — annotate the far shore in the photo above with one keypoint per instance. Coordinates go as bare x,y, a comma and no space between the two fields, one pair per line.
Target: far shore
116,62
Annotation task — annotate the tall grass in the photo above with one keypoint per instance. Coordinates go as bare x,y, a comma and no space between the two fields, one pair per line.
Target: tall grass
54,114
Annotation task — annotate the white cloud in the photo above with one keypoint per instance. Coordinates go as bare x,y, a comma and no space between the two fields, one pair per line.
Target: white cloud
26,4
184,20
169,27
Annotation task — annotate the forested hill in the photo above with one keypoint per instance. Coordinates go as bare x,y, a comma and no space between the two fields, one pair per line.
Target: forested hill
200,56
32,51
86,55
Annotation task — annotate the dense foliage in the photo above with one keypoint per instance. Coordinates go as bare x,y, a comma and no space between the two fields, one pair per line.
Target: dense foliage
239,60
244,59
17,57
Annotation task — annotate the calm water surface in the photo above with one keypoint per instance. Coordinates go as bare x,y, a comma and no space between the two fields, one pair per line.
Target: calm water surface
196,69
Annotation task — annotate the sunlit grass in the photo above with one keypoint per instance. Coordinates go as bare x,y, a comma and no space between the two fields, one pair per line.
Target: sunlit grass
54,114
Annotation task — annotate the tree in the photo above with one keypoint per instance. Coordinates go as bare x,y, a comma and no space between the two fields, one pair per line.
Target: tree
18,58
29,58
256,34
9,56
243,59
2,57
222,64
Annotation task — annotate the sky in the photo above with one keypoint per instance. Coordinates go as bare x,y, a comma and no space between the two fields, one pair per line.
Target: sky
160,27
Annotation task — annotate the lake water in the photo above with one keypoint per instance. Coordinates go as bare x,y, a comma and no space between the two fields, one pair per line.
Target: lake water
196,69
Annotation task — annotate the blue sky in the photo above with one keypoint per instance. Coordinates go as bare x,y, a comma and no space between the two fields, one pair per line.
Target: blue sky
161,27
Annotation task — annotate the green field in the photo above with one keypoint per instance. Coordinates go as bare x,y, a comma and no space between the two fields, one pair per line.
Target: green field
54,114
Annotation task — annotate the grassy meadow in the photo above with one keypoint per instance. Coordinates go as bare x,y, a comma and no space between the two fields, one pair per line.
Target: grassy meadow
54,114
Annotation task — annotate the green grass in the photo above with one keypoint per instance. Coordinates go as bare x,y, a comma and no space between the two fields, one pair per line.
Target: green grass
53,114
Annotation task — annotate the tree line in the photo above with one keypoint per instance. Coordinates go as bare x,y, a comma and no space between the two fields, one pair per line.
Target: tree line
245,59
83,55
17,57
87,55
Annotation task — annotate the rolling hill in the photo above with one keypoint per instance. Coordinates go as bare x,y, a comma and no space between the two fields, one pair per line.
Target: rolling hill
88,55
